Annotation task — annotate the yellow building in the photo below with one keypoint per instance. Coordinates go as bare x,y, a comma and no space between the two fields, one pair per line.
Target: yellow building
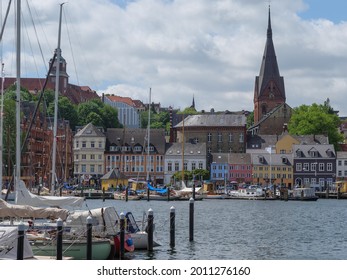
113,179
278,167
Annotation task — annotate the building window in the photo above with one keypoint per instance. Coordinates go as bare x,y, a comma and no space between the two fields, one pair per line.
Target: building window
92,157
241,138
339,162
177,166
298,167
83,168
92,168
169,166
230,137
321,166
220,137
201,165
209,137
193,165
92,144
84,144
306,167
185,165
329,166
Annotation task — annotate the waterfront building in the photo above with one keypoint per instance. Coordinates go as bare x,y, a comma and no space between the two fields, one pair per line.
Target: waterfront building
314,165
240,168
89,147
278,167
193,158
341,166
128,151
219,170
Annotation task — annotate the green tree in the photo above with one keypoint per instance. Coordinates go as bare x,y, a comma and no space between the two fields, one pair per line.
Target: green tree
98,113
110,117
250,119
316,119
188,111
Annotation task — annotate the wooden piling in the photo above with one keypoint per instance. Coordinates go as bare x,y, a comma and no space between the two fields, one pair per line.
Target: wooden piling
20,244
59,239
150,230
191,219
327,192
127,193
122,236
172,226
89,237
338,193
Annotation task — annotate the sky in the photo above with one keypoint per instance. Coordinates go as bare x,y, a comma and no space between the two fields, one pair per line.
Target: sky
207,50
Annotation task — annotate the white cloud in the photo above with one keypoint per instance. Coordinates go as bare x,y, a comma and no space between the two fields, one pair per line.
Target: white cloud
209,49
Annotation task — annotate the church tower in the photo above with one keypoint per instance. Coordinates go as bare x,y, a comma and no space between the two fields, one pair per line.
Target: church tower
63,76
269,90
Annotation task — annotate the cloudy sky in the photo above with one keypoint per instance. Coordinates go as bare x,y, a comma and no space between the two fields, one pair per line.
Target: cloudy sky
209,49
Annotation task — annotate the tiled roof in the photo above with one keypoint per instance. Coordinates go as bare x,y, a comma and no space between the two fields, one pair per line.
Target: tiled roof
126,100
138,136
90,131
189,149
213,120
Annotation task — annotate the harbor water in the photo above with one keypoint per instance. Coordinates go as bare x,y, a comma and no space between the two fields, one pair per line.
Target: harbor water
243,229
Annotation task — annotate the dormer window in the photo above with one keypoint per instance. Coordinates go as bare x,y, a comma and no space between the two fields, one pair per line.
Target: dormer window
299,153
313,154
261,159
330,153
284,160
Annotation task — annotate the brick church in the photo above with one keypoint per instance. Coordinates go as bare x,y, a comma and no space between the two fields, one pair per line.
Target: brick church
271,112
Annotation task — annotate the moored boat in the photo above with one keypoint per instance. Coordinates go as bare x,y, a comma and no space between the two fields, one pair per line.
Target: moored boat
75,248
302,194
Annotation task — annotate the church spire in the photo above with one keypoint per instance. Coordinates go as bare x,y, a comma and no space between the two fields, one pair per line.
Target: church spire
269,30
269,89
193,103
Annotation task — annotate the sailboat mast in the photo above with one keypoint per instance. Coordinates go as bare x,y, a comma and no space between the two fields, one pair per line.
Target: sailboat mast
148,132
1,121
18,62
55,127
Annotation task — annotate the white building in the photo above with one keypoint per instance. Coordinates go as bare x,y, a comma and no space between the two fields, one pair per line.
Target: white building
88,148
194,157
341,166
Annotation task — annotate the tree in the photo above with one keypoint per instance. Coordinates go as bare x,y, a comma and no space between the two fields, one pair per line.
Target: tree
96,112
250,119
316,119
188,111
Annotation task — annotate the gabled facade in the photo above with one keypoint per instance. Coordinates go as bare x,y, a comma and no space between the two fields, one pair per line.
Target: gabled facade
89,147
270,110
